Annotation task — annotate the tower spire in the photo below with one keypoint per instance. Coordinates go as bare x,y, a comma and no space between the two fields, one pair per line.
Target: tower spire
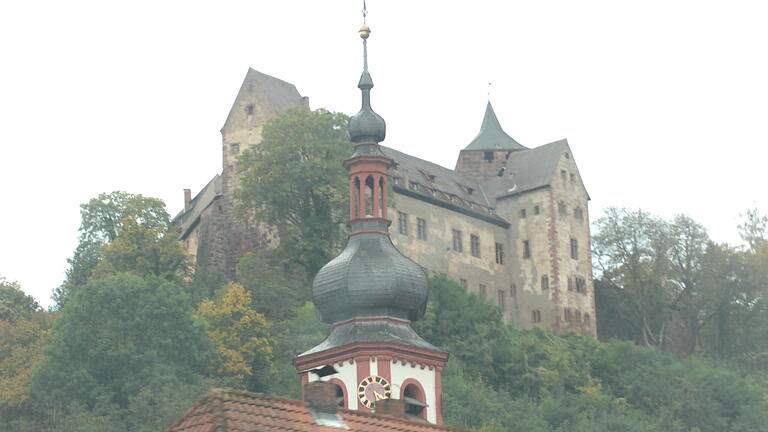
371,292
366,125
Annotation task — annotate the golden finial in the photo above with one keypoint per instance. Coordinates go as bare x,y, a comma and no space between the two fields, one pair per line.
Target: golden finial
365,31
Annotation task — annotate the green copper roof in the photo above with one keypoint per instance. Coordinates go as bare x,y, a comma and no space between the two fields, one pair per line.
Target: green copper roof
492,136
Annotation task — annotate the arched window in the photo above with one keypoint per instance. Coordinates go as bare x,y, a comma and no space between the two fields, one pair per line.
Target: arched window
369,196
341,397
356,199
415,399
382,204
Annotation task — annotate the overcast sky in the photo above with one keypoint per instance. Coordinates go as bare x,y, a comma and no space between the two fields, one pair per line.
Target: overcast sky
664,103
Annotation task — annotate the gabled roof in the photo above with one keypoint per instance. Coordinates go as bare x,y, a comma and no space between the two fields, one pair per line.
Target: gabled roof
528,170
442,186
239,411
188,218
492,136
266,91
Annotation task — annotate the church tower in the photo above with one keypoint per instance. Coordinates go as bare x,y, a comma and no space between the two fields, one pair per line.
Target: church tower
371,293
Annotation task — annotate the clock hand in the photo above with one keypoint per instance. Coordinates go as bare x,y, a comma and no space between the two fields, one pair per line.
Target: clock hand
378,395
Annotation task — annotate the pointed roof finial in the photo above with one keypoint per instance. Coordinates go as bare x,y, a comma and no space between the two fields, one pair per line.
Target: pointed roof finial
366,125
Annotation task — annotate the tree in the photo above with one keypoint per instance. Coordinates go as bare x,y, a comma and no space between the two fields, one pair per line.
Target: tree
630,249
293,180
142,250
241,336
116,336
275,294
21,350
14,303
754,228
102,219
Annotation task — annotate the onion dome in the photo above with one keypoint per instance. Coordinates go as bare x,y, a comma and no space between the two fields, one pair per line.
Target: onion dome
370,278
366,125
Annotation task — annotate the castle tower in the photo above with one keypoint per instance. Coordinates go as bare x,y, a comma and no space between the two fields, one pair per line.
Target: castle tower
371,292
489,151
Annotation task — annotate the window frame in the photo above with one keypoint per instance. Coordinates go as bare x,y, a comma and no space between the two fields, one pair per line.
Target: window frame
474,245
421,229
457,243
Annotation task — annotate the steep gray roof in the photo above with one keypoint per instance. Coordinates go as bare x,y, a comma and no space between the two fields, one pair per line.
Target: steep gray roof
188,218
439,185
268,91
492,136
528,170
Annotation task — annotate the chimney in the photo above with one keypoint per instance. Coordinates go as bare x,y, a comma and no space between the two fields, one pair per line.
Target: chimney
187,198
391,407
321,395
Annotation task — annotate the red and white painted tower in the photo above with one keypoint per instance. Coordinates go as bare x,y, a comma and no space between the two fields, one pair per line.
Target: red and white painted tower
371,292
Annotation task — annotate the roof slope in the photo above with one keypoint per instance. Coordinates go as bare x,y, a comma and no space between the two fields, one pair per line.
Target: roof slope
492,136
440,185
528,170
239,411
188,218
270,93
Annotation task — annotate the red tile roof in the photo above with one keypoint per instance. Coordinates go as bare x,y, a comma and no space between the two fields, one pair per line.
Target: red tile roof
239,411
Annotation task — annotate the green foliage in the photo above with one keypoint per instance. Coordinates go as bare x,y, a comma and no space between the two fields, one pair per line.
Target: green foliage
116,336
14,303
534,380
143,251
293,181
276,295
103,217
296,335
102,220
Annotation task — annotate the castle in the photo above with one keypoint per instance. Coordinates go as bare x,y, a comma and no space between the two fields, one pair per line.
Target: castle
509,223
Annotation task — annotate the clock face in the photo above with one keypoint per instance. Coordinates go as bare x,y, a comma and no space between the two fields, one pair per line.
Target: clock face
372,389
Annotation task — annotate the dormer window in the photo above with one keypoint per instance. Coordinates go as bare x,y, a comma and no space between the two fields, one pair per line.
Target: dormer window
470,190
431,177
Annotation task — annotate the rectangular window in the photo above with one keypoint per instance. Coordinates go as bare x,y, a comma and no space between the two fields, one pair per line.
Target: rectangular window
421,228
536,209
234,148
526,249
474,243
522,213
578,213
573,178
513,290
488,156
536,316
501,299
570,283
574,248
463,283
499,253
587,320
561,207
578,316
563,174
482,290
457,241
567,315
402,223
545,282
581,285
